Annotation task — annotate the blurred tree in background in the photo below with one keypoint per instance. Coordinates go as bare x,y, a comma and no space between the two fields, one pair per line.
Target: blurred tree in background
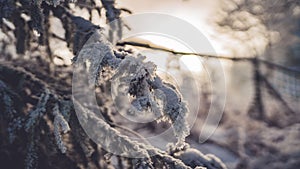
266,28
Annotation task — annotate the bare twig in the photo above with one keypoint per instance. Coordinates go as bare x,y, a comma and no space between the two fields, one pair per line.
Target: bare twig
155,47
248,59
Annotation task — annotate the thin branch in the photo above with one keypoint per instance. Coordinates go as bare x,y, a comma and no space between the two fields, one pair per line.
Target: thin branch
155,47
248,59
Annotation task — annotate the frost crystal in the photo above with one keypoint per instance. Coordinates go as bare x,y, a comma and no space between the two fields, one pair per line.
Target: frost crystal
38,112
15,125
96,53
31,158
60,124
194,158
138,79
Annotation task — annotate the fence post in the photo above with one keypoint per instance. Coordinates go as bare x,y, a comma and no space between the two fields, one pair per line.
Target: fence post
256,109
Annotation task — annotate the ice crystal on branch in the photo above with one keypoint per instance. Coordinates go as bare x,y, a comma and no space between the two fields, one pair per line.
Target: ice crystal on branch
139,80
31,157
38,112
60,124
148,89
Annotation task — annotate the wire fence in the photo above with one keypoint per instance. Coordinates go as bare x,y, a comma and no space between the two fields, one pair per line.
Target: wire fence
286,81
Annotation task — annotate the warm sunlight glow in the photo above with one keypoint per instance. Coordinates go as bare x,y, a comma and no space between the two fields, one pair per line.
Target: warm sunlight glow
166,42
192,63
